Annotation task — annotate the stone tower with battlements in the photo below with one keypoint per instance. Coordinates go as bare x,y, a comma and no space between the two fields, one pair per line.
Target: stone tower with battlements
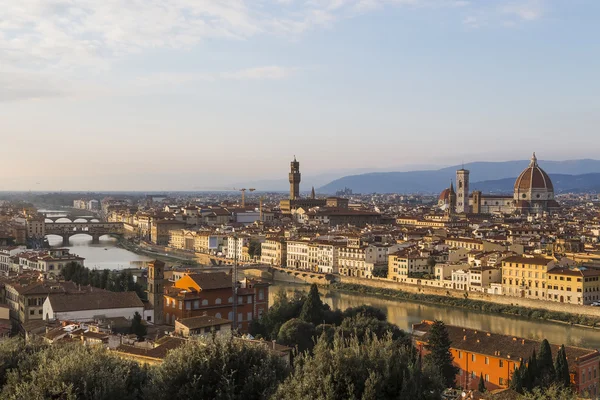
156,289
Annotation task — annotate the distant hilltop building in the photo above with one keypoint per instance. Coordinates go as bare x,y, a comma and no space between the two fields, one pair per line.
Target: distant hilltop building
533,194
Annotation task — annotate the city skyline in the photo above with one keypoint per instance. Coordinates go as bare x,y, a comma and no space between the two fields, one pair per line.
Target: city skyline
195,95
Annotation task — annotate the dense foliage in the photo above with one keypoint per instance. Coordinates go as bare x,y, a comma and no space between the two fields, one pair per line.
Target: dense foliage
210,368
541,374
298,320
137,326
115,281
371,369
217,368
487,307
69,371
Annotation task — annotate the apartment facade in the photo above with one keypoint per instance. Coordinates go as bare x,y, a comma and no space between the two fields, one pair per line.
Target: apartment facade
525,276
403,263
274,252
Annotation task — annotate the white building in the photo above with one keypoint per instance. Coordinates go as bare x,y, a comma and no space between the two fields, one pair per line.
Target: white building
87,306
297,254
6,255
49,262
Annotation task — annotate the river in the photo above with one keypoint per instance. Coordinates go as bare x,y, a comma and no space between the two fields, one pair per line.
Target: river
405,313
106,255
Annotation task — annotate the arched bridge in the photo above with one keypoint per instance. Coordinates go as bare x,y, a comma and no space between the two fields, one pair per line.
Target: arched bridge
94,229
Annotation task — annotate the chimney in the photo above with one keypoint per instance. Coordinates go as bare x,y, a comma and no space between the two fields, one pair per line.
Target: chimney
489,334
465,337
273,345
523,341
514,339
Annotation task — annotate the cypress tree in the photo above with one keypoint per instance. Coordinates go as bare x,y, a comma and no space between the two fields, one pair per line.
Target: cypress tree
312,309
481,387
545,365
439,353
516,382
561,368
526,381
532,370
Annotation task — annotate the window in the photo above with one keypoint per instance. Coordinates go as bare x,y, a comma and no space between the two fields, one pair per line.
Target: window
501,381
204,302
249,316
473,375
218,315
188,305
473,357
501,363
487,378
31,312
460,354
249,299
487,361
240,317
218,300
181,305
230,316
230,300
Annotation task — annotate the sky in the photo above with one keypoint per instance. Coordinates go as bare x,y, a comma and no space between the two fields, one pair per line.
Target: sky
204,94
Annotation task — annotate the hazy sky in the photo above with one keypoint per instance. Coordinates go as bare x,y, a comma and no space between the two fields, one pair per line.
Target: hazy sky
186,94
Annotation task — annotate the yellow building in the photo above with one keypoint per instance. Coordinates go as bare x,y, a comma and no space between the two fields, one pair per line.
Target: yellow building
573,286
273,252
525,276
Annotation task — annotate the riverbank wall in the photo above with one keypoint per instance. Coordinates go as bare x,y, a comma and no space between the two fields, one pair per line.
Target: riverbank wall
460,294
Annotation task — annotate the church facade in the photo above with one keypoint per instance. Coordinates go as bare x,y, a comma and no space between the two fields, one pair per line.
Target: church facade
533,193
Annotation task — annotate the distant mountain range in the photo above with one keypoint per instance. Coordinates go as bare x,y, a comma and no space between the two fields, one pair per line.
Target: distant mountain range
498,177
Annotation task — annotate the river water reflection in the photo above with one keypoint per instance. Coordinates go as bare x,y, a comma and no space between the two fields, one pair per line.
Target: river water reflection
404,314
105,255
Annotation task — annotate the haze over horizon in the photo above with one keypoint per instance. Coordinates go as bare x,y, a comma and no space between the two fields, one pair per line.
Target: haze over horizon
184,95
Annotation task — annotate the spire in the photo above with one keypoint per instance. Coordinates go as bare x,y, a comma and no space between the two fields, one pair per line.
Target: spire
312,193
451,186
533,162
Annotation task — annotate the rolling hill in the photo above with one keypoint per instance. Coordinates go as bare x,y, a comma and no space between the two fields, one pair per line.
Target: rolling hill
491,176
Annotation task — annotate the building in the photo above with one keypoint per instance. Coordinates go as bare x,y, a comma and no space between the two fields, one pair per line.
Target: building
211,294
49,262
294,202
36,227
525,276
297,254
363,261
340,216
156,290
533,193
573,286
6,258
404,263
88,306
201,326
159,232
273,252
495,357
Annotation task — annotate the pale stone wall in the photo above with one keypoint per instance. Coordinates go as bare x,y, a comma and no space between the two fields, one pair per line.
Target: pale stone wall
498,299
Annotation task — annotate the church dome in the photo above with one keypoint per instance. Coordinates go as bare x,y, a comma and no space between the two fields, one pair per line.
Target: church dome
445,195
533,178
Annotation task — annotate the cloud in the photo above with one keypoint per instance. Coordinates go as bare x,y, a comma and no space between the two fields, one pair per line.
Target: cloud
526,11
29,86
271,72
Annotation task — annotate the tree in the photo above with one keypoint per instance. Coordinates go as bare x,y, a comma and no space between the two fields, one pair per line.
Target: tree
138,327
312,309
283,309
363,326
561,368
254,249
431,263
298,333
545,365
346,368
516,383
554,392
217,368
532,371
71,371
481,386
439,352
368,311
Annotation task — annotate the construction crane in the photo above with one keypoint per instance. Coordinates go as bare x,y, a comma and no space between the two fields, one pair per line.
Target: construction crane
244,195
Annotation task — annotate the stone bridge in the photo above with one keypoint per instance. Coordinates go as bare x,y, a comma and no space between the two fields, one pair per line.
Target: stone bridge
94,229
